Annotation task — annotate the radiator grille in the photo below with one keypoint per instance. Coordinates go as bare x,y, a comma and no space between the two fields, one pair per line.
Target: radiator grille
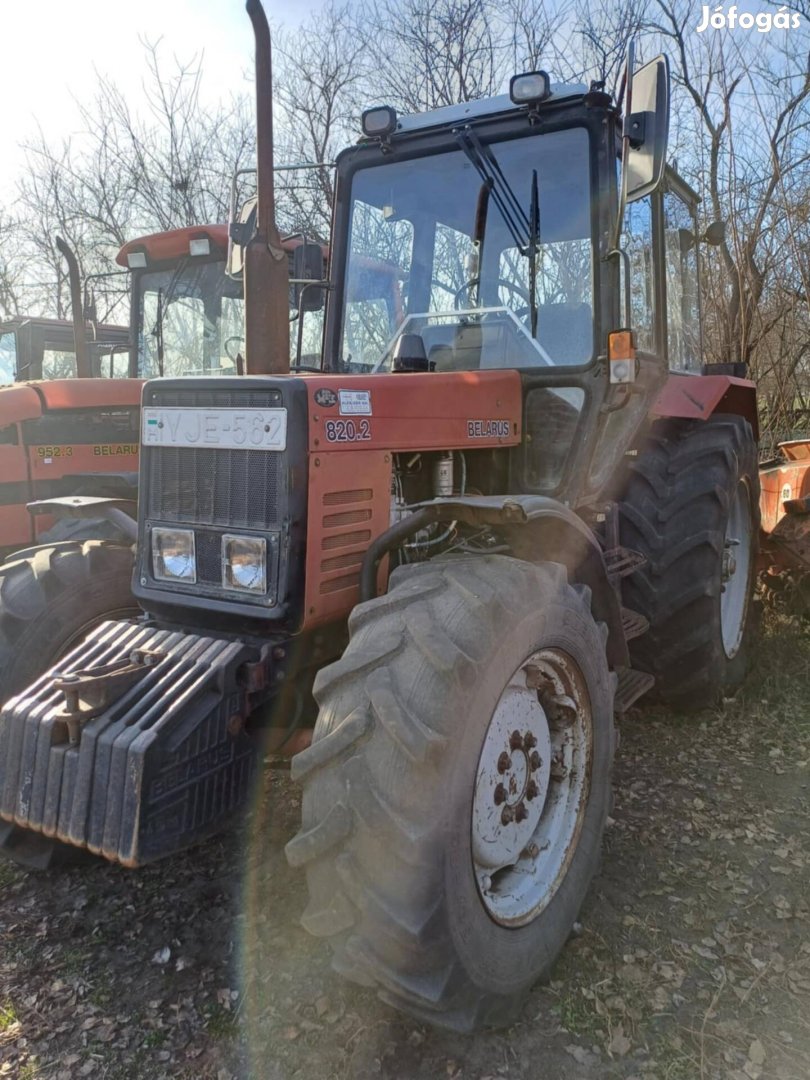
205,486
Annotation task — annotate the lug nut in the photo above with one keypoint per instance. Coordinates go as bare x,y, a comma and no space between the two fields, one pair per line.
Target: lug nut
521,813
532,790
507,815
558,770
529,741
504,762
500,794
535,760
515,741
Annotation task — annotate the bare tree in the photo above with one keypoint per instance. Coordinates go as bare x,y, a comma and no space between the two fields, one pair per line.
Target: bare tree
127,175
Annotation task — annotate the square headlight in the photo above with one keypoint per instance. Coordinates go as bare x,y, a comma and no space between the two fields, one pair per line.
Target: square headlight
173,555
244,563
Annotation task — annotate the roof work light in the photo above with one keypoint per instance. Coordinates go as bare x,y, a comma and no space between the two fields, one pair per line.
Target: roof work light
529,88
379,121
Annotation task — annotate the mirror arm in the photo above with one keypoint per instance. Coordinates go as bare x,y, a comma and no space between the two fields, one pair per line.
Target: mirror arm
627,90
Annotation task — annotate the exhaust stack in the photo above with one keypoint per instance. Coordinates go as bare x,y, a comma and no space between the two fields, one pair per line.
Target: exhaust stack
266,276
83,368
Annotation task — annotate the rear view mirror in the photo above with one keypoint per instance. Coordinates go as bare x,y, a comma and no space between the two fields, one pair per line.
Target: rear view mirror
240,233
648,127
307,266
715,233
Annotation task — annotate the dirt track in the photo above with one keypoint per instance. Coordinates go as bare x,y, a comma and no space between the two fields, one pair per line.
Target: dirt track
693,959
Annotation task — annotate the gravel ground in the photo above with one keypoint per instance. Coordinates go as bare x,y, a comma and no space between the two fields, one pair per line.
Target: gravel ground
692,959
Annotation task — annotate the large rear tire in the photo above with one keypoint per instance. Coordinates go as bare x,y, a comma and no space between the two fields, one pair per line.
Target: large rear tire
433,886
691,506
51,596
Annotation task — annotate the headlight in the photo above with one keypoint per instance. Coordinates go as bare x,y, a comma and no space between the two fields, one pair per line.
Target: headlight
173,556
244,562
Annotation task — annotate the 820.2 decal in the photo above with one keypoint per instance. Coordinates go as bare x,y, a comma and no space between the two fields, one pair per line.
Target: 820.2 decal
347,430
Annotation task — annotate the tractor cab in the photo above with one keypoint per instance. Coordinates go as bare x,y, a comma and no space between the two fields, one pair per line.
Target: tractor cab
188,304
35,348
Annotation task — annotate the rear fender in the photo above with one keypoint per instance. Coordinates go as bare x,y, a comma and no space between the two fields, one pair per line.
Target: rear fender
697,397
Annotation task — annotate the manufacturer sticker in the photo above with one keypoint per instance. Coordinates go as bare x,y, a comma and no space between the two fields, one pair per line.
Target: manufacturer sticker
355,402
347,430
488,429
325,397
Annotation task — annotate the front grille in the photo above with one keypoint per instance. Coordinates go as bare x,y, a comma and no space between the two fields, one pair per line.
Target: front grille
203,486
216,491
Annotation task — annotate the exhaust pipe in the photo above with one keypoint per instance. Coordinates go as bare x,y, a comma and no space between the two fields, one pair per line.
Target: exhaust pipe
83,368
266,276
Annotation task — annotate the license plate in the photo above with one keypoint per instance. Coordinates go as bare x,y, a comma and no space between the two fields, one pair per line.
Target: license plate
223,429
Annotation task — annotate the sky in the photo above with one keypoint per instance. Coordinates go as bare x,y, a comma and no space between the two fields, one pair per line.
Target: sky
53,48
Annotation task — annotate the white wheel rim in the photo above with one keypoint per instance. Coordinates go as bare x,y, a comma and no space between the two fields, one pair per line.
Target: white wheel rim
735,571
536,756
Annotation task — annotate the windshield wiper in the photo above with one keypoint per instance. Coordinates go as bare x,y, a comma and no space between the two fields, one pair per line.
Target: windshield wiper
534,234
525,231
504,197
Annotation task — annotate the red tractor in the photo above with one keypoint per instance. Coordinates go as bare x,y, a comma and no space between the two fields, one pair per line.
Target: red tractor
507,503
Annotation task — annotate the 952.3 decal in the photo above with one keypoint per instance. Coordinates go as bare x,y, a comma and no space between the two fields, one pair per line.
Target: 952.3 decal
347,430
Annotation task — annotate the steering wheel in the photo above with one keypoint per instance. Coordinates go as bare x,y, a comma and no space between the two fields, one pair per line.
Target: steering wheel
518,290
237,338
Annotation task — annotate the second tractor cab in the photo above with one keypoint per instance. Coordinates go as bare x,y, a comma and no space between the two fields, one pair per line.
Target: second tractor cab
505,506
32,349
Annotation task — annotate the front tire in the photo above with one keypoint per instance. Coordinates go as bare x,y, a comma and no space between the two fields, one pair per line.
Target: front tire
401,808
51,597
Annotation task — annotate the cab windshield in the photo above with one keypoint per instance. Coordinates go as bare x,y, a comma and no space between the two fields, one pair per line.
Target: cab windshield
457,275
190,321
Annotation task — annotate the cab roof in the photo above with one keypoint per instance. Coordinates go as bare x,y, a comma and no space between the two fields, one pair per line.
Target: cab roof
173,244
472,110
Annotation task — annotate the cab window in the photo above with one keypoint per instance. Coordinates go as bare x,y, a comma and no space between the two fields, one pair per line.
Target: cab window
637,242
8,357
680,259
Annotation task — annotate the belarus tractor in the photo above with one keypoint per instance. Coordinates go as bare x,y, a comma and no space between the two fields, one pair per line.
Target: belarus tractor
506,502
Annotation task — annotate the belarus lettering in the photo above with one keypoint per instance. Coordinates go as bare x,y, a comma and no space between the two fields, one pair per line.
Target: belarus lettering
487,429
115,449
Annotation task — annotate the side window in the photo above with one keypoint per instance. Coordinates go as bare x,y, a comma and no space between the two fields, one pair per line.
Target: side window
680,257
637,242
111,365
8,357
311,337
58,363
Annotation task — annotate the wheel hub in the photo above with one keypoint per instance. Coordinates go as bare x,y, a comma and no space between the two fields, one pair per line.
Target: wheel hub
530,789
